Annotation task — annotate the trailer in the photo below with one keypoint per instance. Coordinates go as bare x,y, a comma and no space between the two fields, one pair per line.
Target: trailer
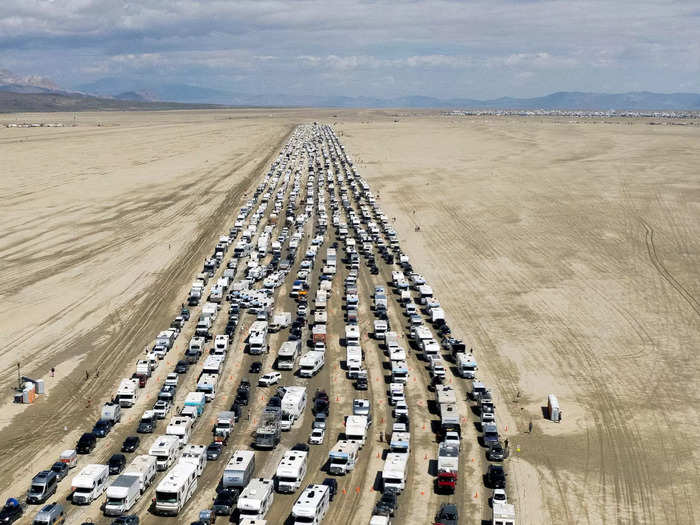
256,499
312,505
310,363
503,513
293,404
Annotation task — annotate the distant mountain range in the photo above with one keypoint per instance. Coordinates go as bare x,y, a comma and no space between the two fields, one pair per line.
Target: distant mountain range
117,90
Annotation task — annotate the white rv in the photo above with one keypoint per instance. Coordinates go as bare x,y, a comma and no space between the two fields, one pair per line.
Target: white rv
312,505
175,489
122,494
256,499
466,365
89,484
257,338
128,393
310,363
181,427
356,429
394,472
213,364
165,449
239,470
293,404
343,457
287,355
221,344
352,335
291,470
143,467
400,442
207,384
195,454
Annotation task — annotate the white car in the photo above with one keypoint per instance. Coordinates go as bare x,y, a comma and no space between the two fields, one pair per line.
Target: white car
401,408
452,438
171,379
161,408
317,436
499,496
271,378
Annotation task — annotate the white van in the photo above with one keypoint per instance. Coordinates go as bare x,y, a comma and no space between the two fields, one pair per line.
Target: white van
165,449
291,471
312,505
89,484
256,499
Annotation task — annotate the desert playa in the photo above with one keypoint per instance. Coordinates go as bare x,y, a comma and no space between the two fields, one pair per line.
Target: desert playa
565,252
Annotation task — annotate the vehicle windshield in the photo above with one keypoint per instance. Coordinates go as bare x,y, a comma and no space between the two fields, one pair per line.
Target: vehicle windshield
166,497
287,479
83,490
338,461
37,489
248,512
115,501
304,519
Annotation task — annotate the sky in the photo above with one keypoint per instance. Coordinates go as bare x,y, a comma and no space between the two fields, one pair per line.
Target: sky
446,49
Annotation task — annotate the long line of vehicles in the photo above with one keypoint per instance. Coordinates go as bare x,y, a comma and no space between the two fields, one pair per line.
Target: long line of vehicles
260,265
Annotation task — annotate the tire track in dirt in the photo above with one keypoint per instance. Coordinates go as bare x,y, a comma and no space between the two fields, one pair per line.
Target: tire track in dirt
663,272
144,319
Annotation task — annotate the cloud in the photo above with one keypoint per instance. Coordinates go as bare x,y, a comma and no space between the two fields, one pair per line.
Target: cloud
436,47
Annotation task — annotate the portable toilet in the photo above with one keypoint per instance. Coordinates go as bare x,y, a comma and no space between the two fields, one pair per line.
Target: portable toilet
553,408
40,387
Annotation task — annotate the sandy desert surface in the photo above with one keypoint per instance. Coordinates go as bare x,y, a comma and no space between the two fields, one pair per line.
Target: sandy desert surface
566,253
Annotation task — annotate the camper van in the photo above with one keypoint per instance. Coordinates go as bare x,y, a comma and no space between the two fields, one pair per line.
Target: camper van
43,486
175,489
89,484
343,456
256,499
239,469
122,495
394,472
291,471
466,365
166,450
127,393
288,353
312,505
